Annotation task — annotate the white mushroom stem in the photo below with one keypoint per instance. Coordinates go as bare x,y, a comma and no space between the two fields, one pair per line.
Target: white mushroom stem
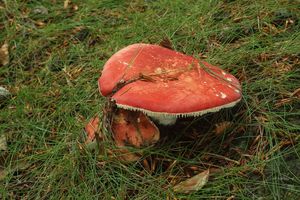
170,118
163,119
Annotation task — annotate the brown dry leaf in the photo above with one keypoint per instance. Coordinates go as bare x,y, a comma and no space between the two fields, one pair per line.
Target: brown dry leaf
238,19
166,43
146,165
201,55
221,127
4,55
263,57
270,29
153,165
296,93
282,67
282,102
279,146
39,23
75,7
193,184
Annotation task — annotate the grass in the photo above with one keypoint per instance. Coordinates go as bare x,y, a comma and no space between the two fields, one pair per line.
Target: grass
56,56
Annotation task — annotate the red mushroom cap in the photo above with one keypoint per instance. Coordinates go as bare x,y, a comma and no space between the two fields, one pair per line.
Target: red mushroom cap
165,82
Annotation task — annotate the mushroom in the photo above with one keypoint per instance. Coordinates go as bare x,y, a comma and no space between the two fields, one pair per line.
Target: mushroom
165,84
132,128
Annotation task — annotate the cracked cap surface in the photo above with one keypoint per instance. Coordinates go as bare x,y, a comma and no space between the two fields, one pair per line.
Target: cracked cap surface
167,82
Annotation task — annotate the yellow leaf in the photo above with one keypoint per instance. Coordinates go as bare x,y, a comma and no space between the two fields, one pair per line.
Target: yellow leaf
3,143
193,184
4,55
66,3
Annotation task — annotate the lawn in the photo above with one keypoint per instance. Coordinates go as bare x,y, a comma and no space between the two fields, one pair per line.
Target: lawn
56,52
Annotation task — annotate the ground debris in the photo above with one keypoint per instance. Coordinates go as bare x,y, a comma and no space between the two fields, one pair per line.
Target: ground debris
279,64
4,55
193,184
40,10
91,128
166,42
3,143
284,18
66,4
290,98
221,127
4,94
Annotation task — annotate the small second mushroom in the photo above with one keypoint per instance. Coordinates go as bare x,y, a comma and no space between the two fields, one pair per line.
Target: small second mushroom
132,128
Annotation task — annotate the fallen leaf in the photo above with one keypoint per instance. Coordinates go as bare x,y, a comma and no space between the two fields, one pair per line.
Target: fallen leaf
296,93
166,43
39,23
238,19
282,102
74,7
282,67
4,55
221,127
202,56
3,143
66,3
292,96
193,184
40,10
4,94
231,197
146,165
